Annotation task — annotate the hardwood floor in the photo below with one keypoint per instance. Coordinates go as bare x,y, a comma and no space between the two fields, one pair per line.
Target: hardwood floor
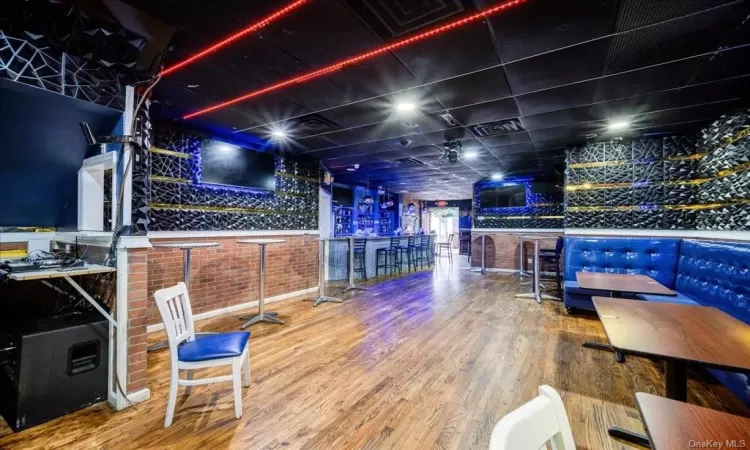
429,360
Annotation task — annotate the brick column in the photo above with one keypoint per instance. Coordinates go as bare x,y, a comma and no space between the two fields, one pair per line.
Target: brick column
137,316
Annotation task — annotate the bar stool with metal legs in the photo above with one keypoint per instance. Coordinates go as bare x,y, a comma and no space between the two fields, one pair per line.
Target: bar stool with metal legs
359,264
411,249
427,251
390,258
446,245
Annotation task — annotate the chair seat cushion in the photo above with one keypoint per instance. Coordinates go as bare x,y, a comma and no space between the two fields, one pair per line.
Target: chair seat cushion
680,298
213,346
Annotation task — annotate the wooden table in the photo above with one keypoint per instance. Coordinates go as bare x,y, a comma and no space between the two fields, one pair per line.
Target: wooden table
616,284
677,334
673,425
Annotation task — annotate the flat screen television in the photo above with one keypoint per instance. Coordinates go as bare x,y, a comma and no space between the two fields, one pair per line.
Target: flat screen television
231,165
343,196
502,196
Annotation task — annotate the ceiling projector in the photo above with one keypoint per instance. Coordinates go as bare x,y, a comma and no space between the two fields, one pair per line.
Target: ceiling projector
452,149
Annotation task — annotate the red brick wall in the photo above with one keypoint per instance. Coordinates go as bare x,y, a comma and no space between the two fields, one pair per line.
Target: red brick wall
228,275
502,249
137,314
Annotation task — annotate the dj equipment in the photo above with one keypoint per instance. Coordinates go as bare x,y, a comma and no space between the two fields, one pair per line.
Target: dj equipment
31,265
52,366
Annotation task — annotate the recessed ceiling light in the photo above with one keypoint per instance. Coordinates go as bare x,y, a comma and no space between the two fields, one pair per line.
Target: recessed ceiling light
405,107
350,169
618,125
470,155
497,176
280,134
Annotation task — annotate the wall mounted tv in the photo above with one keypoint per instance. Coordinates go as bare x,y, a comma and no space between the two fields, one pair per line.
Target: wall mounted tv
231,165
343,196
502,196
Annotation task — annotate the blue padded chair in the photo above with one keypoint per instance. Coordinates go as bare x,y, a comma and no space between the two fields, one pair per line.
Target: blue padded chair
210,350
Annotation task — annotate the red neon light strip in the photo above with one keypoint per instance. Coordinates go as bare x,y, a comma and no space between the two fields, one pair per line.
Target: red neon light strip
224,42
361,57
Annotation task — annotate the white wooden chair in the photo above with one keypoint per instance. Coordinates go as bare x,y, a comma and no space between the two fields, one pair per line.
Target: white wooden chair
534,424
210,350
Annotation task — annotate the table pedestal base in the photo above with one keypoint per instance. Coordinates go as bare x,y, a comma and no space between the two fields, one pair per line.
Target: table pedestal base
269,317
675,379
619,357
324,298
629,436
353,287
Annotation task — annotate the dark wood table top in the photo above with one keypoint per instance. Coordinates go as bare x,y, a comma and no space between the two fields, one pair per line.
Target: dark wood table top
673,331
619,282
673,425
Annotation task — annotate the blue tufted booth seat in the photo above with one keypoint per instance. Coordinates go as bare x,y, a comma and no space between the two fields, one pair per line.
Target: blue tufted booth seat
655,257
717,274
704,273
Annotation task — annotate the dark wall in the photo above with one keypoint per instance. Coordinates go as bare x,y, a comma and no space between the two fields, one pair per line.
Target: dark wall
670,183
541,210
41,150
178,201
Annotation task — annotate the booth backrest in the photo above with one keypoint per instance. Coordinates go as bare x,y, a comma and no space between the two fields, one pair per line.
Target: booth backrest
654,257
716,274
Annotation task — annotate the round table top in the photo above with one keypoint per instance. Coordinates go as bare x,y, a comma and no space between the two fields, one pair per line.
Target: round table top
185,244
261,241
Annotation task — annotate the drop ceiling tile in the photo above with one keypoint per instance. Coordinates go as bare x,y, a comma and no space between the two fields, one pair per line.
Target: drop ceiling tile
534,28
487,112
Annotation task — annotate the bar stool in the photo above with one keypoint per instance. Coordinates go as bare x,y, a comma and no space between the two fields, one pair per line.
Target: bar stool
427,251
446,245
358,254
390,255
411,250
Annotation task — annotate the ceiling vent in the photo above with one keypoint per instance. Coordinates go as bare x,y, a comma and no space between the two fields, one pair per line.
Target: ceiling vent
496,128
449,119
392,18
311,124
409,162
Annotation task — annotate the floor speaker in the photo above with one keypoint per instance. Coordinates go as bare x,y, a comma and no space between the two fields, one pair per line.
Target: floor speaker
52,366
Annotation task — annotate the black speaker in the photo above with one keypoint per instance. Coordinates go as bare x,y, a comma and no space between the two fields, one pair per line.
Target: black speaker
52,366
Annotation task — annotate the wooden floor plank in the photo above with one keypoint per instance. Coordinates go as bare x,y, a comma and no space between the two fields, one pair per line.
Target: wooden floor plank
427,360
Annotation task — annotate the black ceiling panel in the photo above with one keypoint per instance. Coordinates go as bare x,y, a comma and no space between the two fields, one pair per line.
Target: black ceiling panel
355,114
544,25
394,18
562,69
569,65
375,77
698,33
487,112
523,148
507,139
638,13
569,96
461,51
477,87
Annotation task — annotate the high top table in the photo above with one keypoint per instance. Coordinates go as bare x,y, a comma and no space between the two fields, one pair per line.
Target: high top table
262,315
186,249
483,268
536,285
322,277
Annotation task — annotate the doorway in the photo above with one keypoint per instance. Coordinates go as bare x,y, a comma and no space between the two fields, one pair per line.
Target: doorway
444,221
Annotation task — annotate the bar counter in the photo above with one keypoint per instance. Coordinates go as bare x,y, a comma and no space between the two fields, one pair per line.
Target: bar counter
338,253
